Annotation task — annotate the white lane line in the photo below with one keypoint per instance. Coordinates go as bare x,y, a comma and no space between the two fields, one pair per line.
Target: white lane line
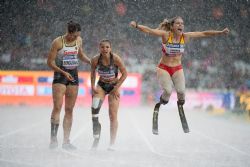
145,139
19,163
81,131
221,143
86,157
151,147
21,129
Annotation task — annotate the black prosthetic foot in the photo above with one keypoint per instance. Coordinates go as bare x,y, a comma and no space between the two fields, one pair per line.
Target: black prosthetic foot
183,118
155,119
96,133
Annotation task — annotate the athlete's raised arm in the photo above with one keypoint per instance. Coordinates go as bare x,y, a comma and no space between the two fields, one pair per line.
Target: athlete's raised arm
148,30
207,33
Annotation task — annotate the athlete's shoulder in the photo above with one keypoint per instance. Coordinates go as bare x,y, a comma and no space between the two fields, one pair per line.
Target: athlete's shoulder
79,39
168,34
95,58
58,39
57,42
166,37
115,55
117,58
186,36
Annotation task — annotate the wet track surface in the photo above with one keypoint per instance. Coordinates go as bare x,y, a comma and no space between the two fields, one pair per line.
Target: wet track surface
212,141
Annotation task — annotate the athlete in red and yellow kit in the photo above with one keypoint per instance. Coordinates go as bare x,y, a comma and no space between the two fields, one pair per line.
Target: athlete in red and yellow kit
170,69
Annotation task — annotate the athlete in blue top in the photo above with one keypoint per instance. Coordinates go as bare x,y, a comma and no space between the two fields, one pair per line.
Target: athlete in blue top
170,68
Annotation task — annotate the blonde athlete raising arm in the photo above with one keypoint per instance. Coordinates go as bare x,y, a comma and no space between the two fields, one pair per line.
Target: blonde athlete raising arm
170,67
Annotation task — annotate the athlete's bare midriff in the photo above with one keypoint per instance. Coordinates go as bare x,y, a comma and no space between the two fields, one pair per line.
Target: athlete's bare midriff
110,81
171,61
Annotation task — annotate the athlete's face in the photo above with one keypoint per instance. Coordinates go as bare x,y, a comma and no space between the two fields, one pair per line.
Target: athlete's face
178,26
78,33
73,36
105,48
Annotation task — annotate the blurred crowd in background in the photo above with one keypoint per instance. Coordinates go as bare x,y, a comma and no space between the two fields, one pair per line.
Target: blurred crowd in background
28,27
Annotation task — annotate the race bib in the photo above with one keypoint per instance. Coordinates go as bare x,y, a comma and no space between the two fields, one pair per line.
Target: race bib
70,61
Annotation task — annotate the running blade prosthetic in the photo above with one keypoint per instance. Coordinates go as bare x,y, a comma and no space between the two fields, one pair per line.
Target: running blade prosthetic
183,119
155,119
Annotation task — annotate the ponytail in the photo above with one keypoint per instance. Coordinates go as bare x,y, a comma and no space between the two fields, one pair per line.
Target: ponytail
73,27
164,25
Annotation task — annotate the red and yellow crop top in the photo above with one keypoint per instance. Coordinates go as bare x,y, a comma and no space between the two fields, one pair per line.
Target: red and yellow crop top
173,49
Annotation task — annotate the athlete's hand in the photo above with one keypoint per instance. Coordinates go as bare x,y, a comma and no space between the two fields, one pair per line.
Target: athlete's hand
68,76
93,90
115,93
225,31
133,24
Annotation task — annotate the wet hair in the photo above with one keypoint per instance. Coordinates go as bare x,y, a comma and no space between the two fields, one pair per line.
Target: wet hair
105,40
166,24
73,27
78,27
108,41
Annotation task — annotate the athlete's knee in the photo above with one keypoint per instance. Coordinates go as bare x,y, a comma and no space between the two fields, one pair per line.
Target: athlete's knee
165,96
68,114
68,110
113,124
96,102
113,116
54,120
167,91
57,108
163,101
181,102
55,117
181,95
113,119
